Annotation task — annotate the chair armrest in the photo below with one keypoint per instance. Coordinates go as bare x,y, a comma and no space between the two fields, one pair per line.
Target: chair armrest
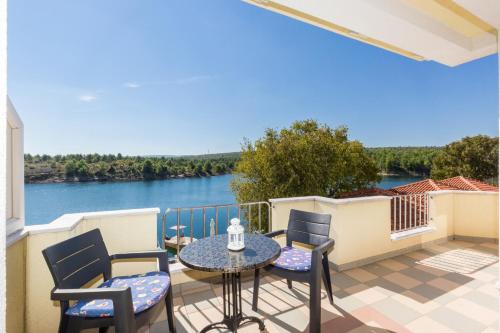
275,233
123,308
325,247
317,254
58,294
161,255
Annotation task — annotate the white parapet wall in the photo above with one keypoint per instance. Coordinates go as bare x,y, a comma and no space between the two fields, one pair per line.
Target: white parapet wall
362,231
123,231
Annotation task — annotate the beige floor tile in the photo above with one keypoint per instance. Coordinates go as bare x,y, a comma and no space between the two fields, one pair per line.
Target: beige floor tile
182,324
356,289
178,302
490,245
393,264
371,327
473,311
427,325
490,330
443,284
297,318
370,295
460,291
488,289
483,276
203,318
418,255
431,270
416,302
361,275
437,248
160,316
274,301
402,280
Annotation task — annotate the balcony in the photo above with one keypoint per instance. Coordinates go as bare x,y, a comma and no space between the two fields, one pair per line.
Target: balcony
438,278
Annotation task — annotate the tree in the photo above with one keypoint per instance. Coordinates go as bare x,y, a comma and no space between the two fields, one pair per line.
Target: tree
82,169
70,168
305,159
102,169
473,157
148,171
198,169
207,167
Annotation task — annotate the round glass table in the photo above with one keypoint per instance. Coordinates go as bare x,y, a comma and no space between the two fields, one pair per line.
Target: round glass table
211,255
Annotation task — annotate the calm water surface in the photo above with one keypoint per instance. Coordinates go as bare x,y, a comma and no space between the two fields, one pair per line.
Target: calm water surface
46,202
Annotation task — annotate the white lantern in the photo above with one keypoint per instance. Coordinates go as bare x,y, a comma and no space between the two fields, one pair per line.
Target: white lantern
235,236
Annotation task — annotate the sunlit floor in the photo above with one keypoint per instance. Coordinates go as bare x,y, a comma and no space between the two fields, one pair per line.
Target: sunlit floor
445,288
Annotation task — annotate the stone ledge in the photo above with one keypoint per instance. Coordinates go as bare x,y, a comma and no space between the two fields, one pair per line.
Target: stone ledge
412,233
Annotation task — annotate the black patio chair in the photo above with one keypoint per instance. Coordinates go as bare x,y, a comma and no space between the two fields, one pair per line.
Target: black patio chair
295,264
125,302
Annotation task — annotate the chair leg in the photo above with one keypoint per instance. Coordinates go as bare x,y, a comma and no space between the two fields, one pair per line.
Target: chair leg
169,307
63,325
327,280
256,285
289,283
315,306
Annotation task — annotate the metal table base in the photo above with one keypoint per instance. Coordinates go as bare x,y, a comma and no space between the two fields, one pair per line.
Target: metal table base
233,316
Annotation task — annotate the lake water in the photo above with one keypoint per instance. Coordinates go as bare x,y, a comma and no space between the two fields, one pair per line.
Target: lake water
46,202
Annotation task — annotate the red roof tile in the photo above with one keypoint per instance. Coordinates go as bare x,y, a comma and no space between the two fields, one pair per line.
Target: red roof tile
421,187
468,184
426,185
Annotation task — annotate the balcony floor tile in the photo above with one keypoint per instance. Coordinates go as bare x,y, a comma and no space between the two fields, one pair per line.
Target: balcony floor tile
439,289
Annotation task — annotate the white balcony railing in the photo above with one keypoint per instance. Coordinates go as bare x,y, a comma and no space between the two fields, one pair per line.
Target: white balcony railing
186,224
409,212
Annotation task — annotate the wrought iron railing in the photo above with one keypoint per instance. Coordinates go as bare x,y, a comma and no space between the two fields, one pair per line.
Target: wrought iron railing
409,211
255,217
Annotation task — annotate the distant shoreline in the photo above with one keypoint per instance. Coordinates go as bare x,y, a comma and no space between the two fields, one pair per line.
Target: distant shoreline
59,180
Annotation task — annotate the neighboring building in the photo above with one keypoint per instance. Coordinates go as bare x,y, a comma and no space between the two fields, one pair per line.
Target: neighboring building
455,183
426,185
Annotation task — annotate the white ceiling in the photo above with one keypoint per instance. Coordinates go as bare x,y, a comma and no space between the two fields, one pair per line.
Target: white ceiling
403,24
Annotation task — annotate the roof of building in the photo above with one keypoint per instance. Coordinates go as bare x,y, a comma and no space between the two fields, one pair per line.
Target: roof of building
426,185
469,184
422,186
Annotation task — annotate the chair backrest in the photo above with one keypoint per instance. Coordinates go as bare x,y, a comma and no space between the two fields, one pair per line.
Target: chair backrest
308,228
76,261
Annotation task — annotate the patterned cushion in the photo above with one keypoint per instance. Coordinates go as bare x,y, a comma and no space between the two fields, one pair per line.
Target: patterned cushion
147,290
294,259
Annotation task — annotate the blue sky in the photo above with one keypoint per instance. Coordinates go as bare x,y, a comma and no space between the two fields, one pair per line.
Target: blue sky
196,76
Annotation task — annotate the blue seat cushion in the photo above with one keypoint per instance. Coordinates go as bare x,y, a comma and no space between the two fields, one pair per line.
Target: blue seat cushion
294,259
147,290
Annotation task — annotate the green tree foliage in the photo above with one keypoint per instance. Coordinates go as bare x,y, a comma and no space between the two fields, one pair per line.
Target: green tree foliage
305,159
404,160
82,169
207,167
473,157
148,171
118,167
70,168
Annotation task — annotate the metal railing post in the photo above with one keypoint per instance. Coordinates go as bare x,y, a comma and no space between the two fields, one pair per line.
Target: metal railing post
178,226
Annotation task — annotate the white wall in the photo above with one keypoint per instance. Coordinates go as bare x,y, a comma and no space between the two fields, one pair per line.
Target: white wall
15,170
361,227
3,121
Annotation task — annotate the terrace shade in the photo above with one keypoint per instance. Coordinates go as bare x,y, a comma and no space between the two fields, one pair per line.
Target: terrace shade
445,31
